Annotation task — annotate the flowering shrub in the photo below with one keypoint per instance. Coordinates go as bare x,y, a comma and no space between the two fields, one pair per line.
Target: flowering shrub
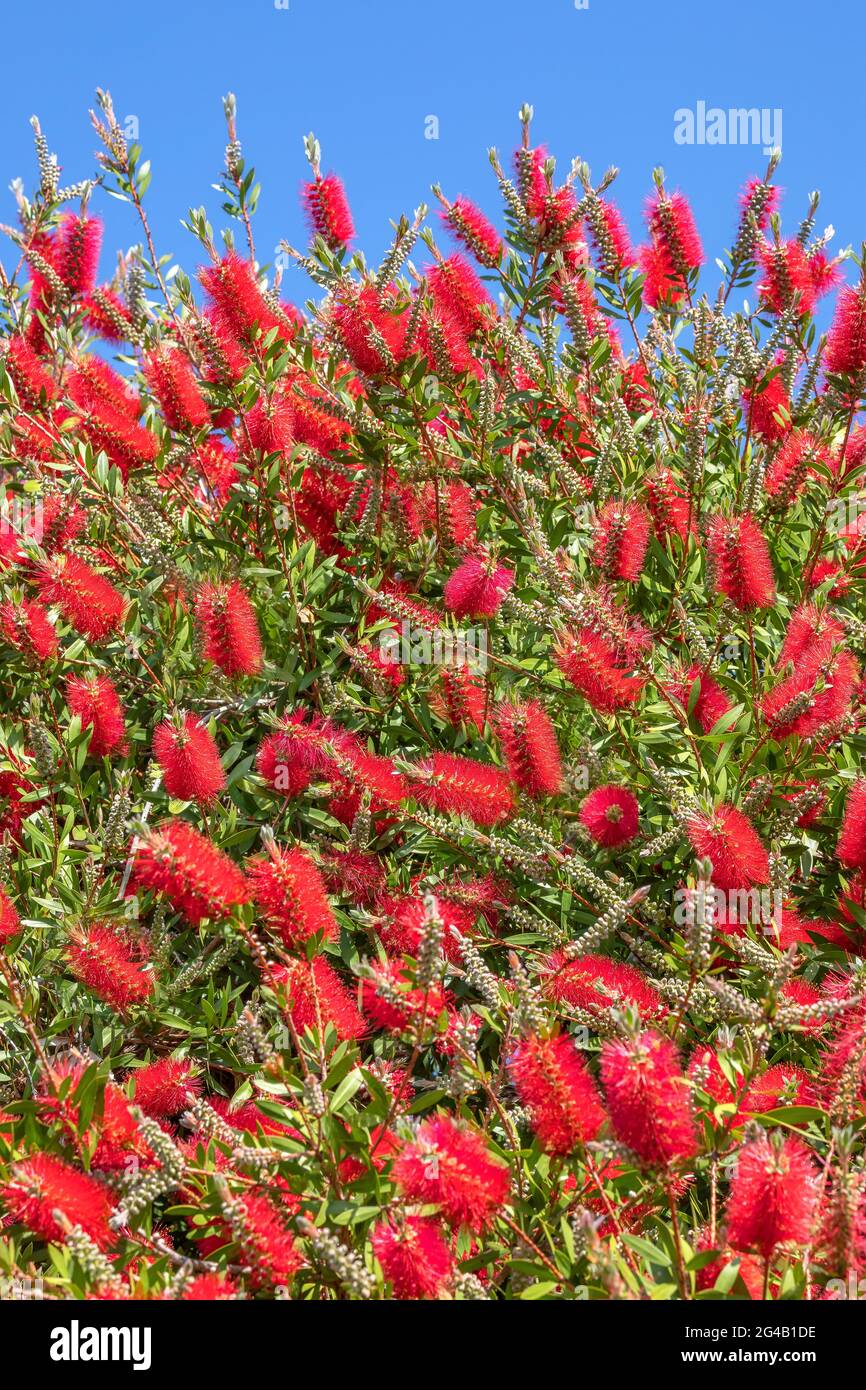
333,969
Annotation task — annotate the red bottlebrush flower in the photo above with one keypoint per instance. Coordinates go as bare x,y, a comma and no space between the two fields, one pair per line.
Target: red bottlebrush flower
189,758
173,382
440,338
741,564
390,1001
451,1166
290,757
668,504
34,439
196,877
792,464
241,308
464,787
229,628
773,1195
103,960
562,1099
845,354
759,200
106,314
58,521
610,815
851,847
590,663
415,1258
728,839
787,273
596,983
672,226
529,747
265,1241
95,701
769,409
662,283
10,924
620,540
27,627
32,382
401,928
76,253
94,385
455,289
291,897
810,637
461,697
353,874
318,998
477,587
609,235
783,1084
814,699
711,703
358,312
219,471
269,428
648,1098
477,234
165,1087
87,601
210,1288
328,210
42,1186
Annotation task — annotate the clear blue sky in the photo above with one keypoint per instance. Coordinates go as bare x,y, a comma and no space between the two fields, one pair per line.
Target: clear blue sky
605,82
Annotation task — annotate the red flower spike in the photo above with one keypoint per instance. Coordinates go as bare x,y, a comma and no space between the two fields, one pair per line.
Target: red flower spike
610,815
477,587
166,1087
109,965
464,787
87,601
553,1083
189,758
773,1195
291,897
621,539
415,1258
477,234
845,354
728,839
95,701
741,564
318,999
173,382
590,662
229,628
42,1186
851,848
27,627
328,211
451,1166
529,747
10,924
76,254
196,877
648,1099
